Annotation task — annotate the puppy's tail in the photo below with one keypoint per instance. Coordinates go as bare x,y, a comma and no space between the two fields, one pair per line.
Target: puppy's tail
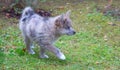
27,13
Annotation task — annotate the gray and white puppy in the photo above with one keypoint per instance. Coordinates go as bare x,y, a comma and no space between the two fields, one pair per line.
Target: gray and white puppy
44,31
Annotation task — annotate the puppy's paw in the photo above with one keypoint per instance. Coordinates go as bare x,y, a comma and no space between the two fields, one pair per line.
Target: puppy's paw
31,52
44,56
61,56
32,46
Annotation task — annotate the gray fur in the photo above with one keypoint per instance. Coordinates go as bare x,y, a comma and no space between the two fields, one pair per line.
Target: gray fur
44,31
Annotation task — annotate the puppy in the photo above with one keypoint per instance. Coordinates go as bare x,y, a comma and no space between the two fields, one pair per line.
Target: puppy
44,31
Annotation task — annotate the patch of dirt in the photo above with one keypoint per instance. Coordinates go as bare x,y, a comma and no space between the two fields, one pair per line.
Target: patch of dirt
11,13
44,13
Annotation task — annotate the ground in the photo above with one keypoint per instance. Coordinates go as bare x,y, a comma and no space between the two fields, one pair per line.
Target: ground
96,45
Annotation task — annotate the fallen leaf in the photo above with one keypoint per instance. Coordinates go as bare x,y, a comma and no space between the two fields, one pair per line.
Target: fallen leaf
61,7
7,15
97,62
67,3
105,37
111,23
24,49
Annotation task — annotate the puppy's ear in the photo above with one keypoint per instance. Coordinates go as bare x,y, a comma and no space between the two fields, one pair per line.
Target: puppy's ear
59,20
68,13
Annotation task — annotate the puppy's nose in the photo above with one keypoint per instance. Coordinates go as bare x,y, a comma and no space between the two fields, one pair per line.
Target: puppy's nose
74,32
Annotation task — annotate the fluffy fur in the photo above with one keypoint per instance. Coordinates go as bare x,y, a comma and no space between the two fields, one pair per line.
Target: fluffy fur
44,31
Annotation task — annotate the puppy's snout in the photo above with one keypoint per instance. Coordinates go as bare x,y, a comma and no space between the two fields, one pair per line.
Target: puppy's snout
74,32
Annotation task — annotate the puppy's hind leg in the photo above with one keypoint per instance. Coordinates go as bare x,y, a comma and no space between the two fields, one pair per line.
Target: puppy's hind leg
28,45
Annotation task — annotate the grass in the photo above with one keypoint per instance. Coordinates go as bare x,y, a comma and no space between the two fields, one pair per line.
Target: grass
96,46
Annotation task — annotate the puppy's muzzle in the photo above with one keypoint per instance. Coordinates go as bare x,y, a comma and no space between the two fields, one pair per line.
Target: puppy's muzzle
71,33
74,32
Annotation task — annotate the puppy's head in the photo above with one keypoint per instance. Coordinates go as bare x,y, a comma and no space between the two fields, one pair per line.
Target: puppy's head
63,24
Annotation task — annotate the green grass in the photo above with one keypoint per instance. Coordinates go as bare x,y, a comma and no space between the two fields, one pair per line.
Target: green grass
96,45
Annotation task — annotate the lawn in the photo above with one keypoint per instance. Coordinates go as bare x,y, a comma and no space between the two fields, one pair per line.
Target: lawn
96,45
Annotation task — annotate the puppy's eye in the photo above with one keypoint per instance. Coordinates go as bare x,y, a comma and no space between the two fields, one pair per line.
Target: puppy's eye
67,27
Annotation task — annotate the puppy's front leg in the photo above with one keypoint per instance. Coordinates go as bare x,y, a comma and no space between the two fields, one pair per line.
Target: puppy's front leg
42,52
56,51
